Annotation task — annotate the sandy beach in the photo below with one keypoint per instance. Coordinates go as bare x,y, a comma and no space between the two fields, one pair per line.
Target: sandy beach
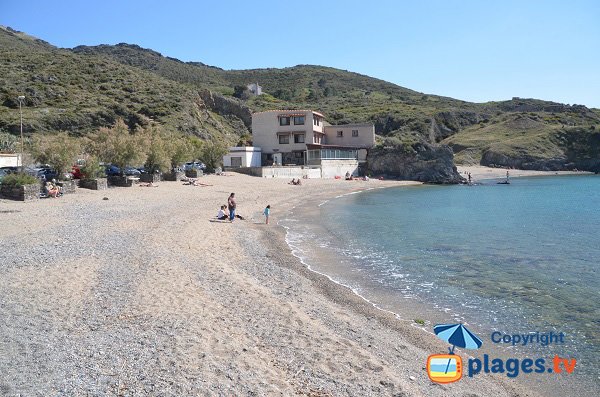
479,172
145,293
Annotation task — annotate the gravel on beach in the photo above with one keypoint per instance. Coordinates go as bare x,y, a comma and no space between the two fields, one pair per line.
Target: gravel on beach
147,294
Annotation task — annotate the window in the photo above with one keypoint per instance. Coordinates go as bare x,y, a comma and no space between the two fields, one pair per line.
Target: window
284,139
340,134
284,121
298,120
355,133
316,121
298,138
298,155
236,161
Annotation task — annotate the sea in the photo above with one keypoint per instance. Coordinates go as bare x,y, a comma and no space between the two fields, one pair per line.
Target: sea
522,258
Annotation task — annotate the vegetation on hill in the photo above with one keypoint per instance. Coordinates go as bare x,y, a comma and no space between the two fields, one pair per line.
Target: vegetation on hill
85,88
81,93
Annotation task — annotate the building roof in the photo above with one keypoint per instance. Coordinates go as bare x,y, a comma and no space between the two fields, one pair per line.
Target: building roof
290,111
351,125
313,146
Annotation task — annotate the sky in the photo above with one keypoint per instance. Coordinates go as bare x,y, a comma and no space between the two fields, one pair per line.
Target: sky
476,51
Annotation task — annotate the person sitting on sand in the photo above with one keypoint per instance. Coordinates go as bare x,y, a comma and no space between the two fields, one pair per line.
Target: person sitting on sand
292,182
52,189
349,176
222,215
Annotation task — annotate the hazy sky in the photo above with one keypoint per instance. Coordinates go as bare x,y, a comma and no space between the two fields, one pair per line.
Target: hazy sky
472,50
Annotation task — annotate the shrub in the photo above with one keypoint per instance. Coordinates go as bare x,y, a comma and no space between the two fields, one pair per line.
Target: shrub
117,145
92,169
59,150
212,154
19,179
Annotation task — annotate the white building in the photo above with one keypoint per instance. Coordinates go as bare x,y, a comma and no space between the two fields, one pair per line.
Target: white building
254,89
242,156
303,137
10,160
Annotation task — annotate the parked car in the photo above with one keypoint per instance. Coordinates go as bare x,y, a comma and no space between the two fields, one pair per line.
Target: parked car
10,170
76,172
113,170
194,165
43,173
3,173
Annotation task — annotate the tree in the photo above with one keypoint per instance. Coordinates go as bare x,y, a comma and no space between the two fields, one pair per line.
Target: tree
118,146
179,150
158,157
59,151
239,91
212,154
245,140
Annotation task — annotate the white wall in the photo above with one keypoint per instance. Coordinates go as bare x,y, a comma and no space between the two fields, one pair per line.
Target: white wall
10,160
291,172
333,168
365,138
265,129
250,156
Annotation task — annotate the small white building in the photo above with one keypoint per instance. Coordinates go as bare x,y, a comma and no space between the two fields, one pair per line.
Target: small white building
10,160
254,89
242,156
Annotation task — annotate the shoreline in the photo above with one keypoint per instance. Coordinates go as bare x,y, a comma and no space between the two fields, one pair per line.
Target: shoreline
416,335
479,172
542,386
146,292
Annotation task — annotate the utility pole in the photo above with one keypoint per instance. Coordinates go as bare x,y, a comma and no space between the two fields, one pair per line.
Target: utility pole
21,99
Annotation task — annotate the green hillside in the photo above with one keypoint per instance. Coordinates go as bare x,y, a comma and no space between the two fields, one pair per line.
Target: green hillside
78,94
80,89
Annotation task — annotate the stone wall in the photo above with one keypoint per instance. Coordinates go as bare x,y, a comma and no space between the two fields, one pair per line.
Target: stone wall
150,178
20,193
120,181
94,184
173,176
194,173
68,187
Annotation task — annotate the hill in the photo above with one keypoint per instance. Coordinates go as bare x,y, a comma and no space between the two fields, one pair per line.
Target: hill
88,86
75,93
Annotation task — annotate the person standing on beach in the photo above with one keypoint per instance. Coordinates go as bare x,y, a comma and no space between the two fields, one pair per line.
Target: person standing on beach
231,206
267,212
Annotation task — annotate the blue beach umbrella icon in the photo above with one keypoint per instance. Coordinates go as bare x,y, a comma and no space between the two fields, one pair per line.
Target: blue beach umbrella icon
457,335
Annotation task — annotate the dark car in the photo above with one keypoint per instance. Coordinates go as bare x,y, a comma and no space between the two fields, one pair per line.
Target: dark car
42,173
194,165
113,170
3,173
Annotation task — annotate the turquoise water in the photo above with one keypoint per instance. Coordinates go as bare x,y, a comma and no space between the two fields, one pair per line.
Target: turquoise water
517,258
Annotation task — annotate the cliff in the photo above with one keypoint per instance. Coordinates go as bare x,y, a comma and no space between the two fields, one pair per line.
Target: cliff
421,161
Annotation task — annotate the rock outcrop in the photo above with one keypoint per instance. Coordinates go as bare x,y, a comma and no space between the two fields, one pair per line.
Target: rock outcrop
576,148
227,106
421,161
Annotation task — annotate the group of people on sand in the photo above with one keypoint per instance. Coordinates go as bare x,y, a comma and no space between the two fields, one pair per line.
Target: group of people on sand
295,182
350,177
228,211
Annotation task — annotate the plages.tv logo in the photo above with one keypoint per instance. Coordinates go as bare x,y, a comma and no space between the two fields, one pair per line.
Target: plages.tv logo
448,368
